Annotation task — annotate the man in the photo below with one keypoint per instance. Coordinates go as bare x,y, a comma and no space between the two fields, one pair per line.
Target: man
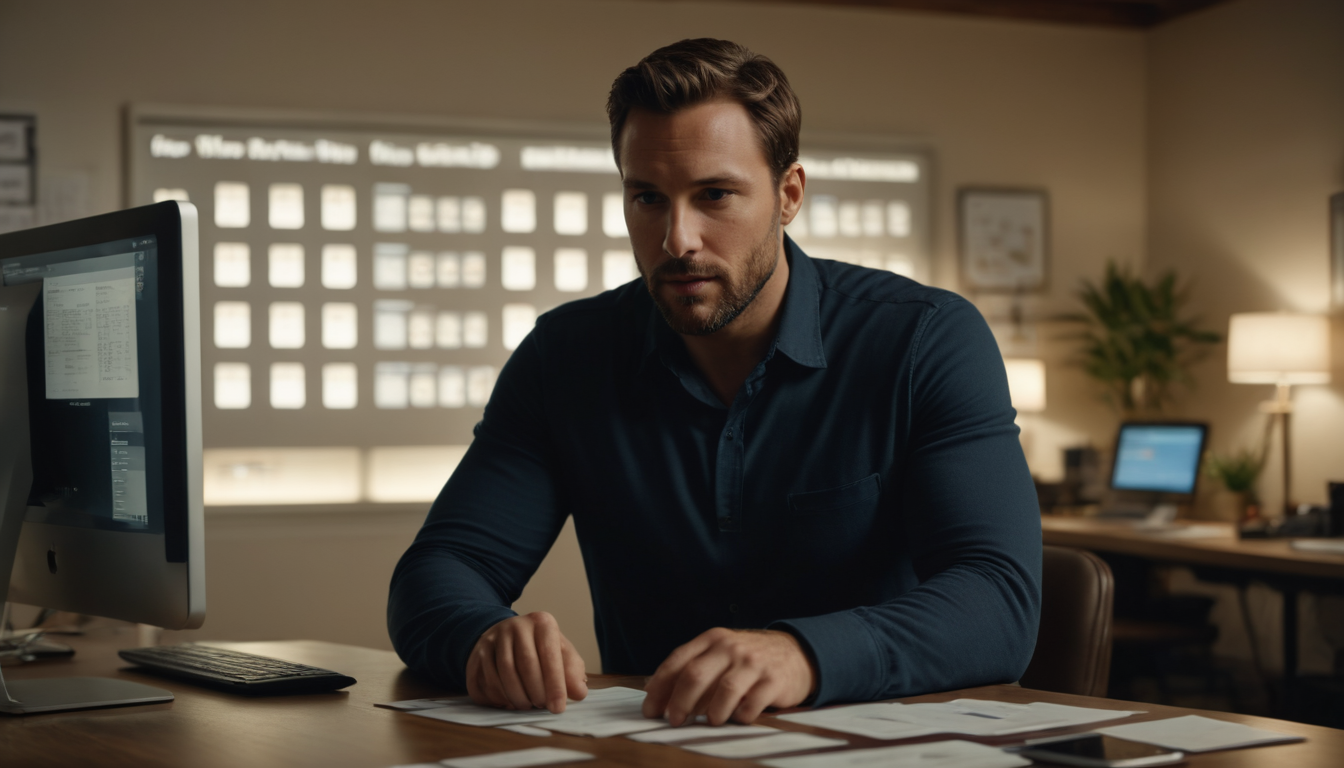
793,481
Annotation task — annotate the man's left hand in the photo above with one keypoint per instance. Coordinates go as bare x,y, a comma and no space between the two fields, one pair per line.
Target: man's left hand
725,673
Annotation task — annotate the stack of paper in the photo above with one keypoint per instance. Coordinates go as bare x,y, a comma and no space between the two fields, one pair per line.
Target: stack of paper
969,716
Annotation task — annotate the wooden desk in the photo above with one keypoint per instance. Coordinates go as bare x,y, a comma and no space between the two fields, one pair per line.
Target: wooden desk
1271,561
1267,557
205,729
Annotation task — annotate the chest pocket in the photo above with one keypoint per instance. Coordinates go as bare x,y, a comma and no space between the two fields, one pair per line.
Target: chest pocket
853,496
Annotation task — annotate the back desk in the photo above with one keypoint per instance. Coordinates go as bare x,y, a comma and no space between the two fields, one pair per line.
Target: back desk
207,729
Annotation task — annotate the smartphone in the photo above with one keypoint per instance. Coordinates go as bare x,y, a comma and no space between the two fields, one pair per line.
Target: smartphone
1093,750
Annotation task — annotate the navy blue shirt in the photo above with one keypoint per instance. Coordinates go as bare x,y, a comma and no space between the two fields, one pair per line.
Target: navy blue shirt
865,491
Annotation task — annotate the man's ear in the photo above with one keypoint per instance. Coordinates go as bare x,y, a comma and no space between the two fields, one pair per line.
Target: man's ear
791,193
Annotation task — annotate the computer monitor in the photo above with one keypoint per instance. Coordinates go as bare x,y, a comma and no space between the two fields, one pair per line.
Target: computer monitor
100,469
1158,458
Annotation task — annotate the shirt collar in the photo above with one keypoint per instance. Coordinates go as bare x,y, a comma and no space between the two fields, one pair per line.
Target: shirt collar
800,325
799,335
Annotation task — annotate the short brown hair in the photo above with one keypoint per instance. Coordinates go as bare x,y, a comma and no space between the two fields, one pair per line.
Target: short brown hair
694,71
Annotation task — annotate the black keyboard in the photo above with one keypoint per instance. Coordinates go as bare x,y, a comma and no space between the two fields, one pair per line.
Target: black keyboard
234,671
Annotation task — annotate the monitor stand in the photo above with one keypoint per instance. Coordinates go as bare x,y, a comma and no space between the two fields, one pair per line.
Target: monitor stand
16,479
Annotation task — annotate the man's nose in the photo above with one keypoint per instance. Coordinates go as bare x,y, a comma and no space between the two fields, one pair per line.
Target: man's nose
682,239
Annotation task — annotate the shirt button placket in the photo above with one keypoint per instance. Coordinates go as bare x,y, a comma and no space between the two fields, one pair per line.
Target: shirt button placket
730,468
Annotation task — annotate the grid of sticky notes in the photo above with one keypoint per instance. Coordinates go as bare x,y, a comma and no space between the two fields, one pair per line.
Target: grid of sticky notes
397,268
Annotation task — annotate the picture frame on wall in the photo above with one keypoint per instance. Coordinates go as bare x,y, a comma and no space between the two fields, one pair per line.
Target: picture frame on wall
1004,239
1337,249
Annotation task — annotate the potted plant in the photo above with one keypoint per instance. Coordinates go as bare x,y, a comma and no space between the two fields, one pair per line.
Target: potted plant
1237,473
1134,340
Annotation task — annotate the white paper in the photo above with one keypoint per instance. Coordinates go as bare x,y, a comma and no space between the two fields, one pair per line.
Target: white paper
1333,546
89,330
526,730
1190,532
604,712
520,758
860,720
1193,733
760,746
692,732
935,754
969,716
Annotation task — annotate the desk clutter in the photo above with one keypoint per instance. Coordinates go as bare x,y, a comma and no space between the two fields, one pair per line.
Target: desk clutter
618,711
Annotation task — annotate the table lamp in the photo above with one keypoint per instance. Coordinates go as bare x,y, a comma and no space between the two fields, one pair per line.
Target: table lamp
1026,383
1282,349
1026,387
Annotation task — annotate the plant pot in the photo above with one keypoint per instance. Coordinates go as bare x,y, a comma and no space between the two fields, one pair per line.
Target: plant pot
1229,506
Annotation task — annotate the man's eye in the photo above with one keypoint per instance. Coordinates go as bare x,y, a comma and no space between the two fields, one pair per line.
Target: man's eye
646,198
716,194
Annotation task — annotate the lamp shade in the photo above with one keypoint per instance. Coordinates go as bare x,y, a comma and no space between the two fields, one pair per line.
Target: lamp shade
1026,383
1278,348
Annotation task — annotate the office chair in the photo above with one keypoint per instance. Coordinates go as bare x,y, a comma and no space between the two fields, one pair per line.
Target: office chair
1073,646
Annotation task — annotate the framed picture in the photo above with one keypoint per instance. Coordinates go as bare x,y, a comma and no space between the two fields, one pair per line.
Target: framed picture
1004,236
1337,249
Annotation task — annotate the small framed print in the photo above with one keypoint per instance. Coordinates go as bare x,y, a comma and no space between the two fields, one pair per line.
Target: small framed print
1004,236
1337,249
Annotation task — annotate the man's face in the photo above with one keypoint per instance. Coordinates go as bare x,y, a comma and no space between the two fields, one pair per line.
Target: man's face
703,212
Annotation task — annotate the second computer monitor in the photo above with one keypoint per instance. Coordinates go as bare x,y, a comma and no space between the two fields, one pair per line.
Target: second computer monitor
1159,458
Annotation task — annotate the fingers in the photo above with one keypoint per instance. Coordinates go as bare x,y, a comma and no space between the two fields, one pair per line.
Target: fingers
507,665
492,686
727,674
729,694
576,673
658,690
550,655
525,662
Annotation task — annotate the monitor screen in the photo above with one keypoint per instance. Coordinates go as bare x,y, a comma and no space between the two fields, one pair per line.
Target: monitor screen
1158,458
95,414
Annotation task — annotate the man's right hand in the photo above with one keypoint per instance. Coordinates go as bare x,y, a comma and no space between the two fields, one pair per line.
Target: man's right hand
526,662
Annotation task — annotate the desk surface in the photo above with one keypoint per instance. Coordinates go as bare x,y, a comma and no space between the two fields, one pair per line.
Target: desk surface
206,729
1270,556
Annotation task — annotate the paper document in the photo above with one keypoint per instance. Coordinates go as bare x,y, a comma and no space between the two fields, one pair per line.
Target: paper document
89,332
760,746
1191,532
605,712
1193,733
521,758
861,720
693,732
526,730
936,754
973,717
1332,546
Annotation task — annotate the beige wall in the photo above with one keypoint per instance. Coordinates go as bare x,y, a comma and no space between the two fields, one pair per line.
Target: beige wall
1246,143
1246,134
996,103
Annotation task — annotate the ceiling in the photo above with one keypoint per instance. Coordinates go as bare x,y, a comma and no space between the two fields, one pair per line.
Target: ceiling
1132,14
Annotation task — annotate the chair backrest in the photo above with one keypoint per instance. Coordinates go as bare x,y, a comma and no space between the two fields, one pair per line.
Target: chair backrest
1073,647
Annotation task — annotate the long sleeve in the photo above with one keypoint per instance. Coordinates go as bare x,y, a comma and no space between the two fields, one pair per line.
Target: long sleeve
485,535
972,531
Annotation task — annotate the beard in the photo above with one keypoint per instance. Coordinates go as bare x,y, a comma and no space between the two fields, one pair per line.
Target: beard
737,293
